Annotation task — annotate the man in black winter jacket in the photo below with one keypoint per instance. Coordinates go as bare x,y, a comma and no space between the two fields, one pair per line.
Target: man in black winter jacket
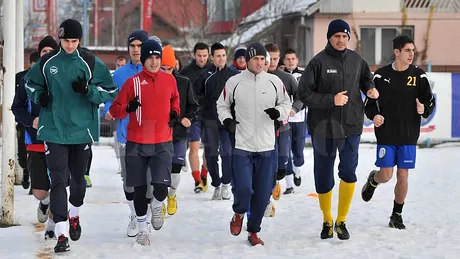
216,138
181,125
331,87
192,71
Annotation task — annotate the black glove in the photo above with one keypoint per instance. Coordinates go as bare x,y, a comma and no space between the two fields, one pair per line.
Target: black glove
80,87
278,125
273,113
173,119
230,124
133,105
280,174
44,100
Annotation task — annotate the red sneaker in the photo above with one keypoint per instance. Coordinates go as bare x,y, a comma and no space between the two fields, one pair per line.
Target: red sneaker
236,224
254,239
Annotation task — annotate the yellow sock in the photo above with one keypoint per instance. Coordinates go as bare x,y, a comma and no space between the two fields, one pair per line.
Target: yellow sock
346,191
325,203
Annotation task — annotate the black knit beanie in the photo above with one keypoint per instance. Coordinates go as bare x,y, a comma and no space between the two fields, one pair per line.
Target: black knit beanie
255,49
70,29
48,41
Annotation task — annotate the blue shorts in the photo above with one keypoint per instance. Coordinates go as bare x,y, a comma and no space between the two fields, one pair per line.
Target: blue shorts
195,131
402,156
180,149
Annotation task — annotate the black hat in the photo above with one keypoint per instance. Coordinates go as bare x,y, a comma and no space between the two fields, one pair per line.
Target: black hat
70,29
149,48
48,41
140,35
240,51
338,25
255,49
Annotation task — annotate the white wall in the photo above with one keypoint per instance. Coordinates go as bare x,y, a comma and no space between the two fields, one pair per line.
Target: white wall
370,6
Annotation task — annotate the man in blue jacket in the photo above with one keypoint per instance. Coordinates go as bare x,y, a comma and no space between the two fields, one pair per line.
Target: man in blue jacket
120,75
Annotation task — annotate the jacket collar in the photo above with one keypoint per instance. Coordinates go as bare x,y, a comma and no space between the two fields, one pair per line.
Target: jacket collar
152,75
333,52
216,69
252,76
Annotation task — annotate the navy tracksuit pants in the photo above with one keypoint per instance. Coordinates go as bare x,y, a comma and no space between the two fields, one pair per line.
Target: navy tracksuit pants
324,152
283,148
252,183
217,142
298,134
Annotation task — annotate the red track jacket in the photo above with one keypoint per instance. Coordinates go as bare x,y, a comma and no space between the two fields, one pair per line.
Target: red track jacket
158,96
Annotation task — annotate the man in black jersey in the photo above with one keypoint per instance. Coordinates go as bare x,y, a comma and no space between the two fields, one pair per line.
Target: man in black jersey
405,95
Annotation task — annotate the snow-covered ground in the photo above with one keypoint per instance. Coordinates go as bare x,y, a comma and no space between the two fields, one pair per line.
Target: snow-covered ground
200,228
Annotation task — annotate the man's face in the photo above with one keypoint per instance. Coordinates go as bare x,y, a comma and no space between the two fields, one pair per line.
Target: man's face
167,69
135,51
201,57
256,64
120,63
274,60
291,61
152,64
339,41
219,58
45,50
70,45
241,61
406,54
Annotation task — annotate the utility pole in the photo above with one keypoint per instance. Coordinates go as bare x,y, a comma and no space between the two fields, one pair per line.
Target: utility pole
8,162
18,172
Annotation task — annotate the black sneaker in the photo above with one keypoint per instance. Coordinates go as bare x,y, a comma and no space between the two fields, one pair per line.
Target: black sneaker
369,187
396,221
327,231
25,181
75,229
198,187
297,180
289,190
50,235
62,244
342,232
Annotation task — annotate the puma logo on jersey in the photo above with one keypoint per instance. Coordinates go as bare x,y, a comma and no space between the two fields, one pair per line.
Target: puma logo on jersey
332,71
387,80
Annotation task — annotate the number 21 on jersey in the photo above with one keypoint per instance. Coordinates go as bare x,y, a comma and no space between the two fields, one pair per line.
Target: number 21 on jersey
411,80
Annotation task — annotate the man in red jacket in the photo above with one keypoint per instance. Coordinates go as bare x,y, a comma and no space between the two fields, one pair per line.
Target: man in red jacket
152,101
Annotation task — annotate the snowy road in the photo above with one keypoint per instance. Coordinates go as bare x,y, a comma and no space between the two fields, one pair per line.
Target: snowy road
200,229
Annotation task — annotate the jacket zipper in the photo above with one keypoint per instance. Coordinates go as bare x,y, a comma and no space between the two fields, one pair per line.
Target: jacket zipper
255,112
342,87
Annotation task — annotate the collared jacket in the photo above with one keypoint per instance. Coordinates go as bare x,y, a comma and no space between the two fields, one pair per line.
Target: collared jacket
208,87
328,73
245,98
70,117
158,96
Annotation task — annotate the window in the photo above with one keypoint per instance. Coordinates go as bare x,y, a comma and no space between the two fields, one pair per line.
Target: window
219,10
377,43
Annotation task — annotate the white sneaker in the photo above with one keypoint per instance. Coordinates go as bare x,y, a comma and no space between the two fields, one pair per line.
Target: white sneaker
157,216
132,229
217,194
143,238
42,217
226,192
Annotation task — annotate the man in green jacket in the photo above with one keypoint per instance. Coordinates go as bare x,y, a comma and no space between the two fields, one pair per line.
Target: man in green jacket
69,84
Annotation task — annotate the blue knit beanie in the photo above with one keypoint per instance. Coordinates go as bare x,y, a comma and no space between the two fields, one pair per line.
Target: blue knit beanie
140,35
150,48
338,25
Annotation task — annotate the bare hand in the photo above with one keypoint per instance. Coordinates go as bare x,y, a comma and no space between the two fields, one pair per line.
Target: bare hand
341,99
35,123
185,122
292,112
373,93
108,116
378,120
420,107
